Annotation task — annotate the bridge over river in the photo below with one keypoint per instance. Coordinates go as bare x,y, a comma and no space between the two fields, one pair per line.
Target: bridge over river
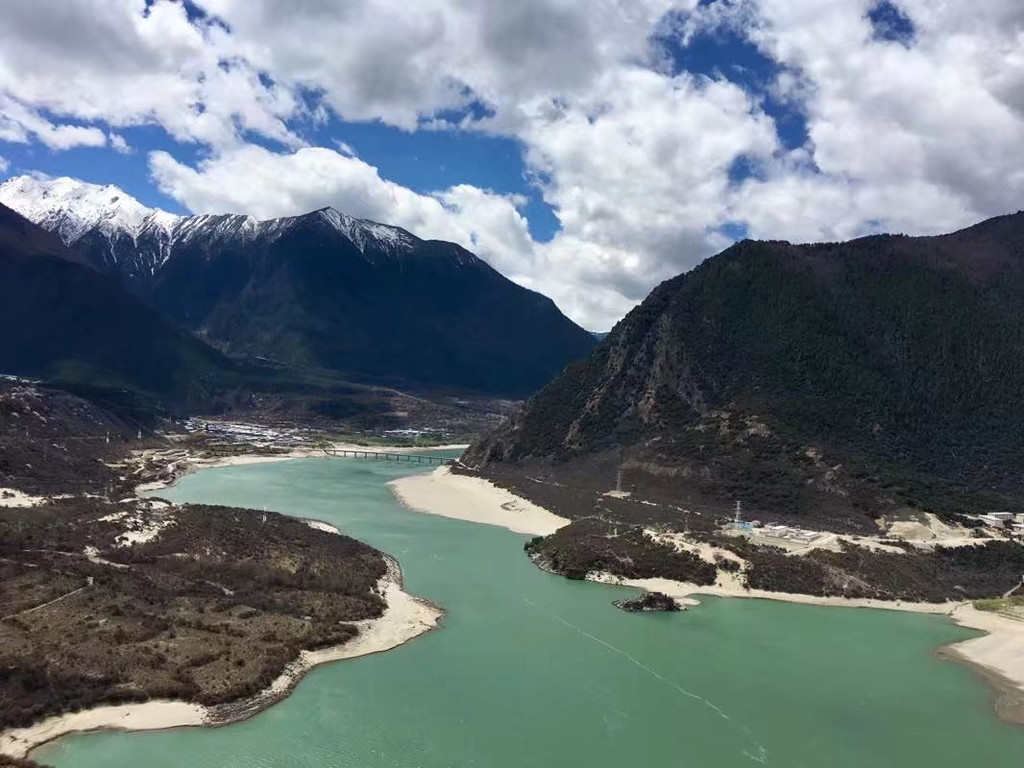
353,453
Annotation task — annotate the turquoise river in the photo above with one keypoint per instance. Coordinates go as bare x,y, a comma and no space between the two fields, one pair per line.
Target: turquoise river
530,669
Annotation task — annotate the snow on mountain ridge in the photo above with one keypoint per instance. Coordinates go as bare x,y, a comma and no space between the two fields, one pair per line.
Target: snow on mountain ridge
70,207
362,231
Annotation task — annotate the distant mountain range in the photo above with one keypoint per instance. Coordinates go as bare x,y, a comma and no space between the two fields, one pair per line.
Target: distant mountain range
63,319
321,290
820,384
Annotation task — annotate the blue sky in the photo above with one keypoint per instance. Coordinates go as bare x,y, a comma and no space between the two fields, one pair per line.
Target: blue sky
586,148
425,159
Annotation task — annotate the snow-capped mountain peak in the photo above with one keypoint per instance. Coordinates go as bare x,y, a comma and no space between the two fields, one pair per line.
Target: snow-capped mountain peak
363,232
70,208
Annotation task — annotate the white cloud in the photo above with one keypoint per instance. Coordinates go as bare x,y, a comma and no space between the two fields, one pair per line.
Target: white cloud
265,184
378,59
638,171
19,124
125,64
920,138
4,164
634,161
118,144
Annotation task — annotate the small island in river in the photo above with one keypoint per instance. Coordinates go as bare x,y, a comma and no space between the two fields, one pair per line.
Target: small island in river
649,602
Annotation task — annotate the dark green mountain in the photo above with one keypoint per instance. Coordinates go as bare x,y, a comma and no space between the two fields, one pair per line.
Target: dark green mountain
828,384
327,291
64,320
323,290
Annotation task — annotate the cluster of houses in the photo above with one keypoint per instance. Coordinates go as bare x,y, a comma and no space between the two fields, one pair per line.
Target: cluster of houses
247,433
789,534
1005,520
411,434
781,533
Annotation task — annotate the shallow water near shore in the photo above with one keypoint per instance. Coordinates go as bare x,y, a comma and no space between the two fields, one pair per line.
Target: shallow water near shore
530,669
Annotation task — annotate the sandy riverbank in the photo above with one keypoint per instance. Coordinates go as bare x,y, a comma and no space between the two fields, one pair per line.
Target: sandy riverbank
151,716
998,655
182,465
405,618
474,499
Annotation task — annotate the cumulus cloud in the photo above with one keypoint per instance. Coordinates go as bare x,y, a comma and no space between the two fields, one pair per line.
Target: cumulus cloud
378,59
118,144
19,124
911,137
638,169
129,62
913,128
266,184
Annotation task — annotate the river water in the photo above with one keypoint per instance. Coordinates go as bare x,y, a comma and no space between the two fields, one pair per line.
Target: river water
531,669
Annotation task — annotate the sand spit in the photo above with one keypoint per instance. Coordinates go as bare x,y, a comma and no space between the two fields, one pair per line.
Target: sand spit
405,618
151,716
998,656
444,493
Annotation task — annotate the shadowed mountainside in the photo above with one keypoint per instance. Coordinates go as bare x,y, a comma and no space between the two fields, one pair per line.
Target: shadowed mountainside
322,290
424,312
64,320
825,385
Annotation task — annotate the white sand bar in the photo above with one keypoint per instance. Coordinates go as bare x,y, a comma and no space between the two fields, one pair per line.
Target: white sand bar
406,617
1002,650
444,493
185,463
151,716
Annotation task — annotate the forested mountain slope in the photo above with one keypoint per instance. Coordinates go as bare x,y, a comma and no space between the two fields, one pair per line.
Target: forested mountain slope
828,384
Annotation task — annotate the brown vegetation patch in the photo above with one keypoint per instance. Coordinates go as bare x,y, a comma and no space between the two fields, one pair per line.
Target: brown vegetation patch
205,611
591,545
